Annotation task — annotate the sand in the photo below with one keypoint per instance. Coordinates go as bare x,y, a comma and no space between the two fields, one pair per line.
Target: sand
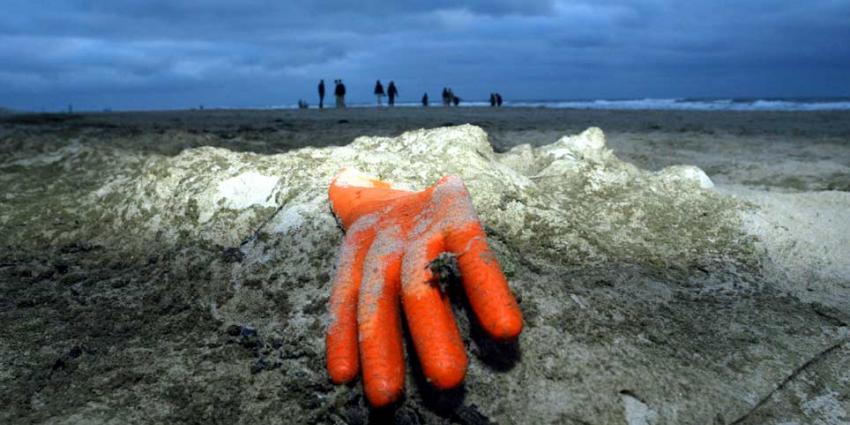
172,267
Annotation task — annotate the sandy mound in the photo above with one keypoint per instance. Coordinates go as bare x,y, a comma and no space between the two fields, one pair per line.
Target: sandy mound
570,202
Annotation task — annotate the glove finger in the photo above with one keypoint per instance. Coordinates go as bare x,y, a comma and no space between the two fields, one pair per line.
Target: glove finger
429,316
379,323
341,338
486,287
352,194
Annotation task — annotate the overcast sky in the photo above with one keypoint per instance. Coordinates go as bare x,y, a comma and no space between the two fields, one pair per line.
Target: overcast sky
183,53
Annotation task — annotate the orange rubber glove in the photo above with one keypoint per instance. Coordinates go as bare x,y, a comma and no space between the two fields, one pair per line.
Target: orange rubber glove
391,238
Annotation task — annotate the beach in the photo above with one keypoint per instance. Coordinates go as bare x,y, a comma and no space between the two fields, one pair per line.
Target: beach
794,150
674,267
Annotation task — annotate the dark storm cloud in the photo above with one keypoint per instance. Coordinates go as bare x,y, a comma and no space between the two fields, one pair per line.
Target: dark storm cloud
181,53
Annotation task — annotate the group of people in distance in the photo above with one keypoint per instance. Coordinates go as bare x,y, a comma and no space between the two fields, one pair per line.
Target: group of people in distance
391,92
449,97
495,99
339,94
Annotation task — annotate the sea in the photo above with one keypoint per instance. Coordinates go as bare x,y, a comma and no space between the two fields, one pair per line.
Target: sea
693,104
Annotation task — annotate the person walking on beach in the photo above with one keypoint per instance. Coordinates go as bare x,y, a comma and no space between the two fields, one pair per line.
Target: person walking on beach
425,100
492,100
446,97
339,92
379,92
498,100
392,92
321,94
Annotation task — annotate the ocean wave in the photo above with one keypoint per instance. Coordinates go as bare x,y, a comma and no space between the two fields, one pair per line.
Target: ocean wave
694,104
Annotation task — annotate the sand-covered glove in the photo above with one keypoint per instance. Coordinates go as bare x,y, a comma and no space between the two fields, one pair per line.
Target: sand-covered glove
392,237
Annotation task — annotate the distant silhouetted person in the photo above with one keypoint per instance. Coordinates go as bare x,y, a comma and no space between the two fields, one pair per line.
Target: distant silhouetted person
455,100
447,98
392,92
425,100
498,99
379,92
492,100
339,92
321,94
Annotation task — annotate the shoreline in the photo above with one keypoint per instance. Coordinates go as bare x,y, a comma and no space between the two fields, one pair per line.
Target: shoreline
835,123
